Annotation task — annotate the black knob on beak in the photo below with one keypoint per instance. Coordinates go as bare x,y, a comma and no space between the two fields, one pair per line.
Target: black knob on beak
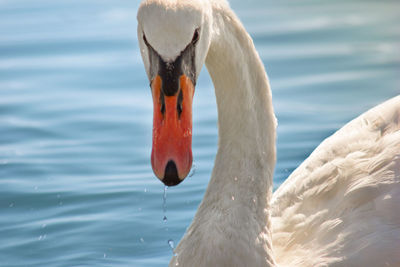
171,177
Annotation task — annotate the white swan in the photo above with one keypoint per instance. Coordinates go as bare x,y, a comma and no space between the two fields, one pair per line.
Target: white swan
341,207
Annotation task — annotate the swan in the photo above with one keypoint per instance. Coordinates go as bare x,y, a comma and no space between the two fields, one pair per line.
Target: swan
341,207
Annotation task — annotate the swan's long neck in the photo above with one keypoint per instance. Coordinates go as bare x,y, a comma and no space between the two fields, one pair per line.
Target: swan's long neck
233,221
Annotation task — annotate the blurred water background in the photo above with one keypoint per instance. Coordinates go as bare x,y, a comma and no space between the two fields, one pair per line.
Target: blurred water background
76,186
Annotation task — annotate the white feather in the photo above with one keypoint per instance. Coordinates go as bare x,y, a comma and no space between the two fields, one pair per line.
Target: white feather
341,207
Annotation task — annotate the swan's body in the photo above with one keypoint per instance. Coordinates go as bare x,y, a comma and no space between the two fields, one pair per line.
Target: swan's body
341,207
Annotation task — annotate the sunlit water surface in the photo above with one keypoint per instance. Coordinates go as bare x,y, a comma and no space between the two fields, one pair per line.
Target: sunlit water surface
76,186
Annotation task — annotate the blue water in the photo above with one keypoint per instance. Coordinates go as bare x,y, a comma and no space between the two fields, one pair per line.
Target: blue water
76,186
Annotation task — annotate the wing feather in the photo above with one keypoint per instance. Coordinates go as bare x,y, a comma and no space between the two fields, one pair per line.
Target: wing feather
341,207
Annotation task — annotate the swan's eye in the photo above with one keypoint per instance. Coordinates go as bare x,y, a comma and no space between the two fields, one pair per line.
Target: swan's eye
145,40
196,36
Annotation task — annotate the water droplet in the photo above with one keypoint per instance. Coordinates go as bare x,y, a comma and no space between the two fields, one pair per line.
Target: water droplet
165,203
104,256
142,240
11,205
193,170
165,219
145,190
172,246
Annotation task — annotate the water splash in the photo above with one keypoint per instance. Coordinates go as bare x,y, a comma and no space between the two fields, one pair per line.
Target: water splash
193,170
172,246
165,219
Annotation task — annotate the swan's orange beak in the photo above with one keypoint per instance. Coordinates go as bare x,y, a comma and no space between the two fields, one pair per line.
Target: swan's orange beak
171,156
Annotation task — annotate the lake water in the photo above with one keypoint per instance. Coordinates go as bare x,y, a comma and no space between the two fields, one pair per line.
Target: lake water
76,185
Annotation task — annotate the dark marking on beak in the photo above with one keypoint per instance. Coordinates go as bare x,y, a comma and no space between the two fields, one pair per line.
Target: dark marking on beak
162,101
171,177
170,72
179,103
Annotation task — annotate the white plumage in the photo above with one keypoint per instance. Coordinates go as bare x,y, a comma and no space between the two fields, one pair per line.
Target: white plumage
341,207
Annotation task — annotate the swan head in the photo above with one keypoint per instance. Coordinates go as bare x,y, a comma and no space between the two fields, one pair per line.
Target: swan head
174,37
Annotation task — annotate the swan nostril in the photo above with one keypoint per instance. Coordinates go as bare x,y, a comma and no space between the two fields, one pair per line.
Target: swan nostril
179,103
162,103
171,177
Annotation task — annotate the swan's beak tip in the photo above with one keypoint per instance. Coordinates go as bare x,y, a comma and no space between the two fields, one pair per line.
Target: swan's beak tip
174,171
171,177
